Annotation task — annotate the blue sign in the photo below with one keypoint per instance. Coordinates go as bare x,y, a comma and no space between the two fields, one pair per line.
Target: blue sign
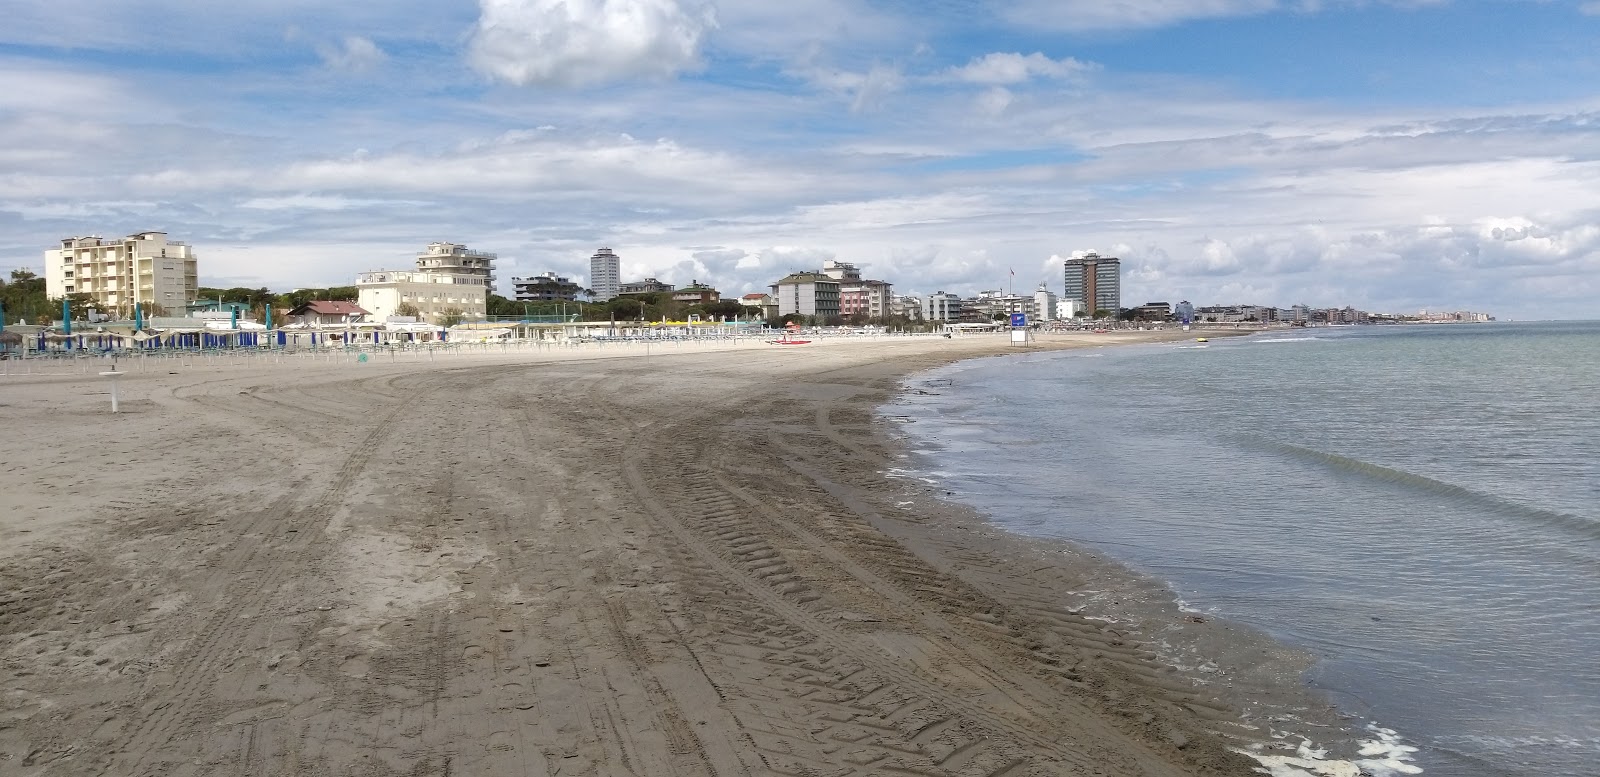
1019,319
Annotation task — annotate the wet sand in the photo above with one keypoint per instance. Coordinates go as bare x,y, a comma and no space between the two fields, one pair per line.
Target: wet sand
581,562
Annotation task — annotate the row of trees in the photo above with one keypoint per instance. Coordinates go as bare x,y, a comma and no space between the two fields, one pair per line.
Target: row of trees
24,298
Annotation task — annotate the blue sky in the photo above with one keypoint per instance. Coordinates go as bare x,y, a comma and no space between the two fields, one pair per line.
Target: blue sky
1390,155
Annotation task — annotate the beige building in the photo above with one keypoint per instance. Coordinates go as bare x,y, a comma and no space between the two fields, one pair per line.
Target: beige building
450,279
144,268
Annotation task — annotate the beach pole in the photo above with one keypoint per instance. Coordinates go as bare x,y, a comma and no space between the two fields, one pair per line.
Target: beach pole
113,375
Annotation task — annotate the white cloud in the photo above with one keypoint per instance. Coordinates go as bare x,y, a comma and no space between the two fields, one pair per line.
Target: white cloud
356,54
1591,8
220,30
1001,69
1097,15
994,101
875,87
1087,15
573,43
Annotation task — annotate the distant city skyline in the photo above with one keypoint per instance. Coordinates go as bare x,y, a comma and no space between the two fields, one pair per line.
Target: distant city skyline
1387,155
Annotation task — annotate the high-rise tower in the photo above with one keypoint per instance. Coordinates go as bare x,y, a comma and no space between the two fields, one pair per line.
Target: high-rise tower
1095,281
605,275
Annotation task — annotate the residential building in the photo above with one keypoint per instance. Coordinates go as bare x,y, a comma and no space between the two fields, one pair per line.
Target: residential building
1095,281
940,306
807,294
450,281
908,307
840,271
548,287
605,275
1184,311
326,313
758,305
696,293
869,298
990,305
144,268
1067,307
646,286
859,296
1154,311
1044,304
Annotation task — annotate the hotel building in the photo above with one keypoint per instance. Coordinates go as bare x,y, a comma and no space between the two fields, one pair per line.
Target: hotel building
449,279
144,268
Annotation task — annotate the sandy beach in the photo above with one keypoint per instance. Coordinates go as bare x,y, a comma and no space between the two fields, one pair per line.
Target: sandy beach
580,562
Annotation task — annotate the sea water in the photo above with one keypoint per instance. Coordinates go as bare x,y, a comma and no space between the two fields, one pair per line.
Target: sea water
1418,506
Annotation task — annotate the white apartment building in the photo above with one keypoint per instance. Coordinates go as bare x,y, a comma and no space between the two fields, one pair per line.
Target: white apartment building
146,268
605,275
458,261
434,295
450,279
841,271
1044,304
940,306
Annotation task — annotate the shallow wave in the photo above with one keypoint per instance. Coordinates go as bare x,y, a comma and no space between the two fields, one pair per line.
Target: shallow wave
1587,527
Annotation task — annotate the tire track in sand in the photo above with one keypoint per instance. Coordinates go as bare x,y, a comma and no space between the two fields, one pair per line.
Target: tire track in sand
177,709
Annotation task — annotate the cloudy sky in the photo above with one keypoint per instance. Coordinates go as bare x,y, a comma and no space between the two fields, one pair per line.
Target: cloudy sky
1390,155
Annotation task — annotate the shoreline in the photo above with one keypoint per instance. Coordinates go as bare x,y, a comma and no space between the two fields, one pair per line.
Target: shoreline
592,566
1251,672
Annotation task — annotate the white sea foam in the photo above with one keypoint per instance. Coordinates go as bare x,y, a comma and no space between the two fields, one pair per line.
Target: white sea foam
1382,756
1288,339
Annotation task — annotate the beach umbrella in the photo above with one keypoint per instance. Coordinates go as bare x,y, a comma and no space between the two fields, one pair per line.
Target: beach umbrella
66,317
138,317
235,318
269,317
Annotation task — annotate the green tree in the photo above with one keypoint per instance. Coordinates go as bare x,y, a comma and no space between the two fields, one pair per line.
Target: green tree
79,303
727,309
407,309
450,317
24,297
